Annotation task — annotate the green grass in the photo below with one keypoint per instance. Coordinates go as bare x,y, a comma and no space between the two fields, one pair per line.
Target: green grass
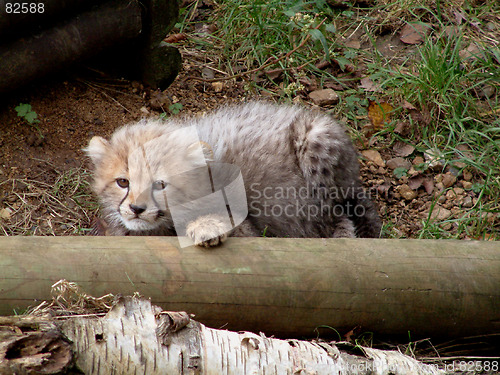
464,127
443,78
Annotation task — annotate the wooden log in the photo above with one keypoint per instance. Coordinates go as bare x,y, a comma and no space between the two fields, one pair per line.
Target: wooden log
136,337
85,35
287,287
21,20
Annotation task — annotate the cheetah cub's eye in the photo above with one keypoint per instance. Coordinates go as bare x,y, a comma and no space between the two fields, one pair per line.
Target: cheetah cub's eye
159,185
122,182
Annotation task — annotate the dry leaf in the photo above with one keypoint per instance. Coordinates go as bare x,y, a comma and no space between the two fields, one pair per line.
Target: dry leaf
415,182
374,156
408,105
403,149
379,114
428,185
368,85
175,38
414,33
459,17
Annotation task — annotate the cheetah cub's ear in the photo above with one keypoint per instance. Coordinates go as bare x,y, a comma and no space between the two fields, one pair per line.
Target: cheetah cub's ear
96,149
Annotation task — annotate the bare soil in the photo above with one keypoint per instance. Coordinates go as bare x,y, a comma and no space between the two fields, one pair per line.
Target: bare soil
44,174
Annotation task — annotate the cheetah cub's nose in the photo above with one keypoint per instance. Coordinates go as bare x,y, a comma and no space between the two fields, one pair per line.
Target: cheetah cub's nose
137,209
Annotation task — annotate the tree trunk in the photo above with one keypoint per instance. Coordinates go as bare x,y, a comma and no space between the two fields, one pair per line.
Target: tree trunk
138,338
23,60
283,287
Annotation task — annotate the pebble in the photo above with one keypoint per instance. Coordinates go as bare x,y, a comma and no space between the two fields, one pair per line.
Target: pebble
440,213
418,160
434,157
448,180
406,192
324,97
218,86
398,163
5,213
467,185
467,203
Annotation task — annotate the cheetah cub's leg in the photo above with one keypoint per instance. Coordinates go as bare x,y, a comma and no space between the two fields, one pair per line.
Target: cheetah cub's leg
344,228
208,231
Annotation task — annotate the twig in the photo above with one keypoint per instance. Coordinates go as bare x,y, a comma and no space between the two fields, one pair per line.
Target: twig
262,67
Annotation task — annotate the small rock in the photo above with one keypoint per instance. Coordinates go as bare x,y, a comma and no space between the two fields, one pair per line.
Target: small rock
490,26
207,73
398,163
446,226
5,213
442,199
448,180
467,203
406,192
324,97
467,185
144,110
440,213
159,100
418,160
434,157
467,176
486,91
218,86
458,191
450,195
374,156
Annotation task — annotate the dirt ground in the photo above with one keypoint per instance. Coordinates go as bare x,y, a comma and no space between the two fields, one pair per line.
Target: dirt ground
44,174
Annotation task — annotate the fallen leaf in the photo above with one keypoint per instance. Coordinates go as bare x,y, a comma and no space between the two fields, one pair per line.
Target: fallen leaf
374,156
175,38
379,114
428,185
353,43
403,149
368,85
408,105
459,17
415,182
402,128
274,74
414,33
398,163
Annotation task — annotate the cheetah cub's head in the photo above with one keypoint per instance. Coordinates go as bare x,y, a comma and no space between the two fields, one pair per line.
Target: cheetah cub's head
141,168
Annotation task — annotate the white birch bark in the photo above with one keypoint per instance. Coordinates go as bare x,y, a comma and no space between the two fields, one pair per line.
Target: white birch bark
138,338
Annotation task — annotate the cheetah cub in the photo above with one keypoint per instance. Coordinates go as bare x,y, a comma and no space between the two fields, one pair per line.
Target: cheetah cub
299,176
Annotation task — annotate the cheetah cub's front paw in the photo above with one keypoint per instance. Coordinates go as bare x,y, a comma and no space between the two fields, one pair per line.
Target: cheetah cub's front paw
208,231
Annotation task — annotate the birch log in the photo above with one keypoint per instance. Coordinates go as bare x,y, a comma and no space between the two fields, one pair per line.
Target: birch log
136,337
283,287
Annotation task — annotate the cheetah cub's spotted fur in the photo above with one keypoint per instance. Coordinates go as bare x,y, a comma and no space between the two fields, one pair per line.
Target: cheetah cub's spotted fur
299,167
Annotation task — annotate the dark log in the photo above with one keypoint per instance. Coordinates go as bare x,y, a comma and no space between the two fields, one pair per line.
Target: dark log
18,21
286,287
85,35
